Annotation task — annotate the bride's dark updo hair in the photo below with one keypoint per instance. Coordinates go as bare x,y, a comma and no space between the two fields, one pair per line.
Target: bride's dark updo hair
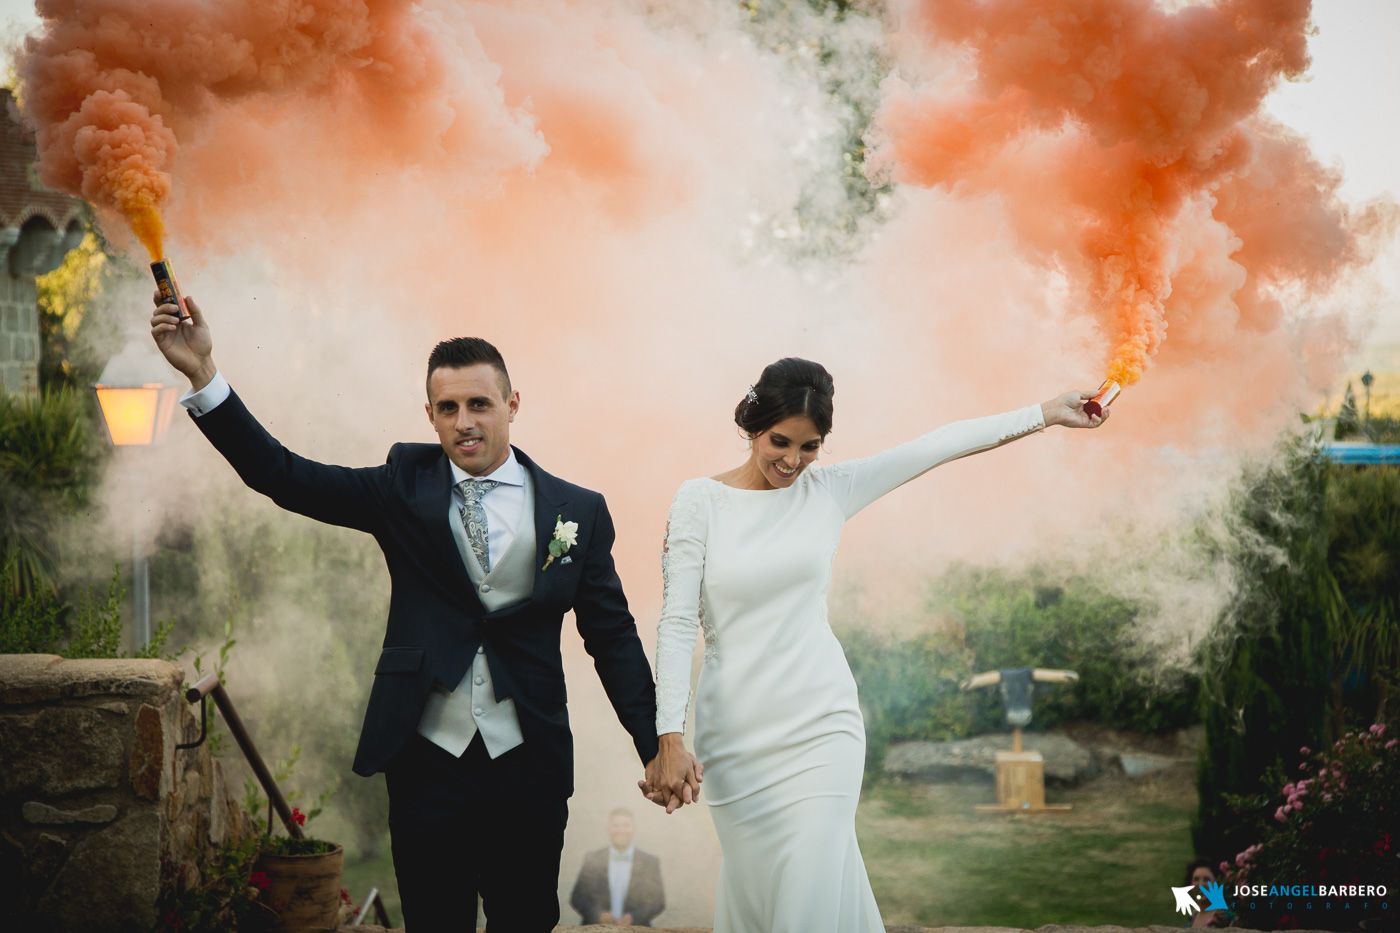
787,388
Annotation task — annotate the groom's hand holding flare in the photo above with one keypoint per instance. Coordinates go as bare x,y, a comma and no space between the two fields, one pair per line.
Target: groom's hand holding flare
674,776
186,344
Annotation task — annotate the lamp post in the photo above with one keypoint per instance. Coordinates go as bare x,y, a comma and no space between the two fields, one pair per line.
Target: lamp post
1366,381
136,394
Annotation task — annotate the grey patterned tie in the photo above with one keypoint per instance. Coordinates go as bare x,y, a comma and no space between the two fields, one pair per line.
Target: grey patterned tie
474,517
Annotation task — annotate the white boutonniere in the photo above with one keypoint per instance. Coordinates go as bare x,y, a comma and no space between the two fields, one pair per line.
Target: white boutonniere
565,537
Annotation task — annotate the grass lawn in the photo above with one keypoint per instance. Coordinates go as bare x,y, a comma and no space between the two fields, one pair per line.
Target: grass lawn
933,861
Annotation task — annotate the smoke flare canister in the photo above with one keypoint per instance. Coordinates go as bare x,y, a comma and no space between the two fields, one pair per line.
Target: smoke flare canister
169,288
1107,393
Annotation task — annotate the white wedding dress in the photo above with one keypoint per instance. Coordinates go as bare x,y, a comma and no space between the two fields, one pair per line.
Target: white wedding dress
777,721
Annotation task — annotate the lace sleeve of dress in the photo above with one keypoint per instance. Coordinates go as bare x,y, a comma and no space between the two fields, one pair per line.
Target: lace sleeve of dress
857,483
682,566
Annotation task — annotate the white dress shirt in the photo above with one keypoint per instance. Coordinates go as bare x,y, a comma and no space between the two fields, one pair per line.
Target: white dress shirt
208,398
503,505
619,877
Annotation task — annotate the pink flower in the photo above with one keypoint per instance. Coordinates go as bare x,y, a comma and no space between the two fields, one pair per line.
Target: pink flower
1378,728
1392,743
1224,867
1305,750
1281,815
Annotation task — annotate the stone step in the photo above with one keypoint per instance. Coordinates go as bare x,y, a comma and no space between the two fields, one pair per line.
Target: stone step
1049,928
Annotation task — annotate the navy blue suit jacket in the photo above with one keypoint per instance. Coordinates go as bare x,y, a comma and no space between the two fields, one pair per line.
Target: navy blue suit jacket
436,621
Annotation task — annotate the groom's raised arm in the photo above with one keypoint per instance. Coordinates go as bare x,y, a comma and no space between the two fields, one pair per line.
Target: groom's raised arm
610,637
337,495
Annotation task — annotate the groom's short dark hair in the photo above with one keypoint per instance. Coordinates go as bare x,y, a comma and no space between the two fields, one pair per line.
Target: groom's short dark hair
461,352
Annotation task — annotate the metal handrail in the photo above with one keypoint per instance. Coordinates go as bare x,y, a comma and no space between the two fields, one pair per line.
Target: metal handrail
381,913
211,686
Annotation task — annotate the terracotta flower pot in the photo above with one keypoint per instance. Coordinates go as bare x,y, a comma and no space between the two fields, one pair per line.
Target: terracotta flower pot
303,889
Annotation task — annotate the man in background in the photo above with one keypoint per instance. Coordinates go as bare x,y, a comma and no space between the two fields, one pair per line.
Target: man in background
619,884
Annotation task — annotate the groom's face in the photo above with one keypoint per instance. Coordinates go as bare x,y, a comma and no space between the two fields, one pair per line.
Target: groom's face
471,413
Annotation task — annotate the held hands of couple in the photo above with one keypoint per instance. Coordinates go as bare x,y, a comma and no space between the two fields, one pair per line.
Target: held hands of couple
1068,410
674,776
188,346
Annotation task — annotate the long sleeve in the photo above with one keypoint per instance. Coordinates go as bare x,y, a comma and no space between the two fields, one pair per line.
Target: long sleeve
610,637
857,483
337,495
586,898
647,896
682,568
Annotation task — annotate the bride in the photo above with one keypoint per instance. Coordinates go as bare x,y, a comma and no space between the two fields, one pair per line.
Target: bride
778,729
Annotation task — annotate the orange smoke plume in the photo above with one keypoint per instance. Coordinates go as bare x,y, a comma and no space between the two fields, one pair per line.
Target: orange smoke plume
112,151
1116,132
114,87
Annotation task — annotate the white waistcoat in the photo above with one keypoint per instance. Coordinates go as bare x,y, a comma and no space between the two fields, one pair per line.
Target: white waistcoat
452,718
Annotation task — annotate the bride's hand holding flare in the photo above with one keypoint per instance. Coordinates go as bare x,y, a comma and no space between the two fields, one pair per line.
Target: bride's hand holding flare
674,776
1068,410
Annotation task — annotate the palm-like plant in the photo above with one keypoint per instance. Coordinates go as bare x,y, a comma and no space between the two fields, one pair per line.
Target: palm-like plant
1363,574
49,449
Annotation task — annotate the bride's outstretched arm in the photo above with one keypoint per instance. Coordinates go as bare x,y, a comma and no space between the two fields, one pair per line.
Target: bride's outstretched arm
673,778
857,483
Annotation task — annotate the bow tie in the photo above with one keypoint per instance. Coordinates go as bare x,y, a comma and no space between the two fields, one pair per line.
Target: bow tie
621,856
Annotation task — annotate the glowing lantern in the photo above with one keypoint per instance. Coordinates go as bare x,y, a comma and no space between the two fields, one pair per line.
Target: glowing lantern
137,394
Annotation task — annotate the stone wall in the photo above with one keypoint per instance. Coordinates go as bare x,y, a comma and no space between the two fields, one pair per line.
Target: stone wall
96,804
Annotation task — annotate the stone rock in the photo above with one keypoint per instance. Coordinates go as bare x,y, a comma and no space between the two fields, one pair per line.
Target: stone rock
47,855
148,753
218,806
36,812
121,709
58,750
110,881
37,678
974,760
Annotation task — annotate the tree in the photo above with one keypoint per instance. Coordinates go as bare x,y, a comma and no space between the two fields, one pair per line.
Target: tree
1268,679
1348,421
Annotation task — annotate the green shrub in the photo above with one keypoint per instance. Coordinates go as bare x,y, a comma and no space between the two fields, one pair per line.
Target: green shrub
1036,620
909,687
1307,645
1334,821
41,623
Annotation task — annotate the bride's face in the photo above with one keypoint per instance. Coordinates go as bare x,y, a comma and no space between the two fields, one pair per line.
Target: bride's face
783,451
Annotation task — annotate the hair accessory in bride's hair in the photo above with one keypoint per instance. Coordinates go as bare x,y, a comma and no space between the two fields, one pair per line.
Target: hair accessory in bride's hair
753,396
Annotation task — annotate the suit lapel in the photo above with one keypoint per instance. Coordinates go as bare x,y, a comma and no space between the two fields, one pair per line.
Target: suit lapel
433,504
550,503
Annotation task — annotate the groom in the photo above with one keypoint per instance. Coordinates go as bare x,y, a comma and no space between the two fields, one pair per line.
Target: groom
486,552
